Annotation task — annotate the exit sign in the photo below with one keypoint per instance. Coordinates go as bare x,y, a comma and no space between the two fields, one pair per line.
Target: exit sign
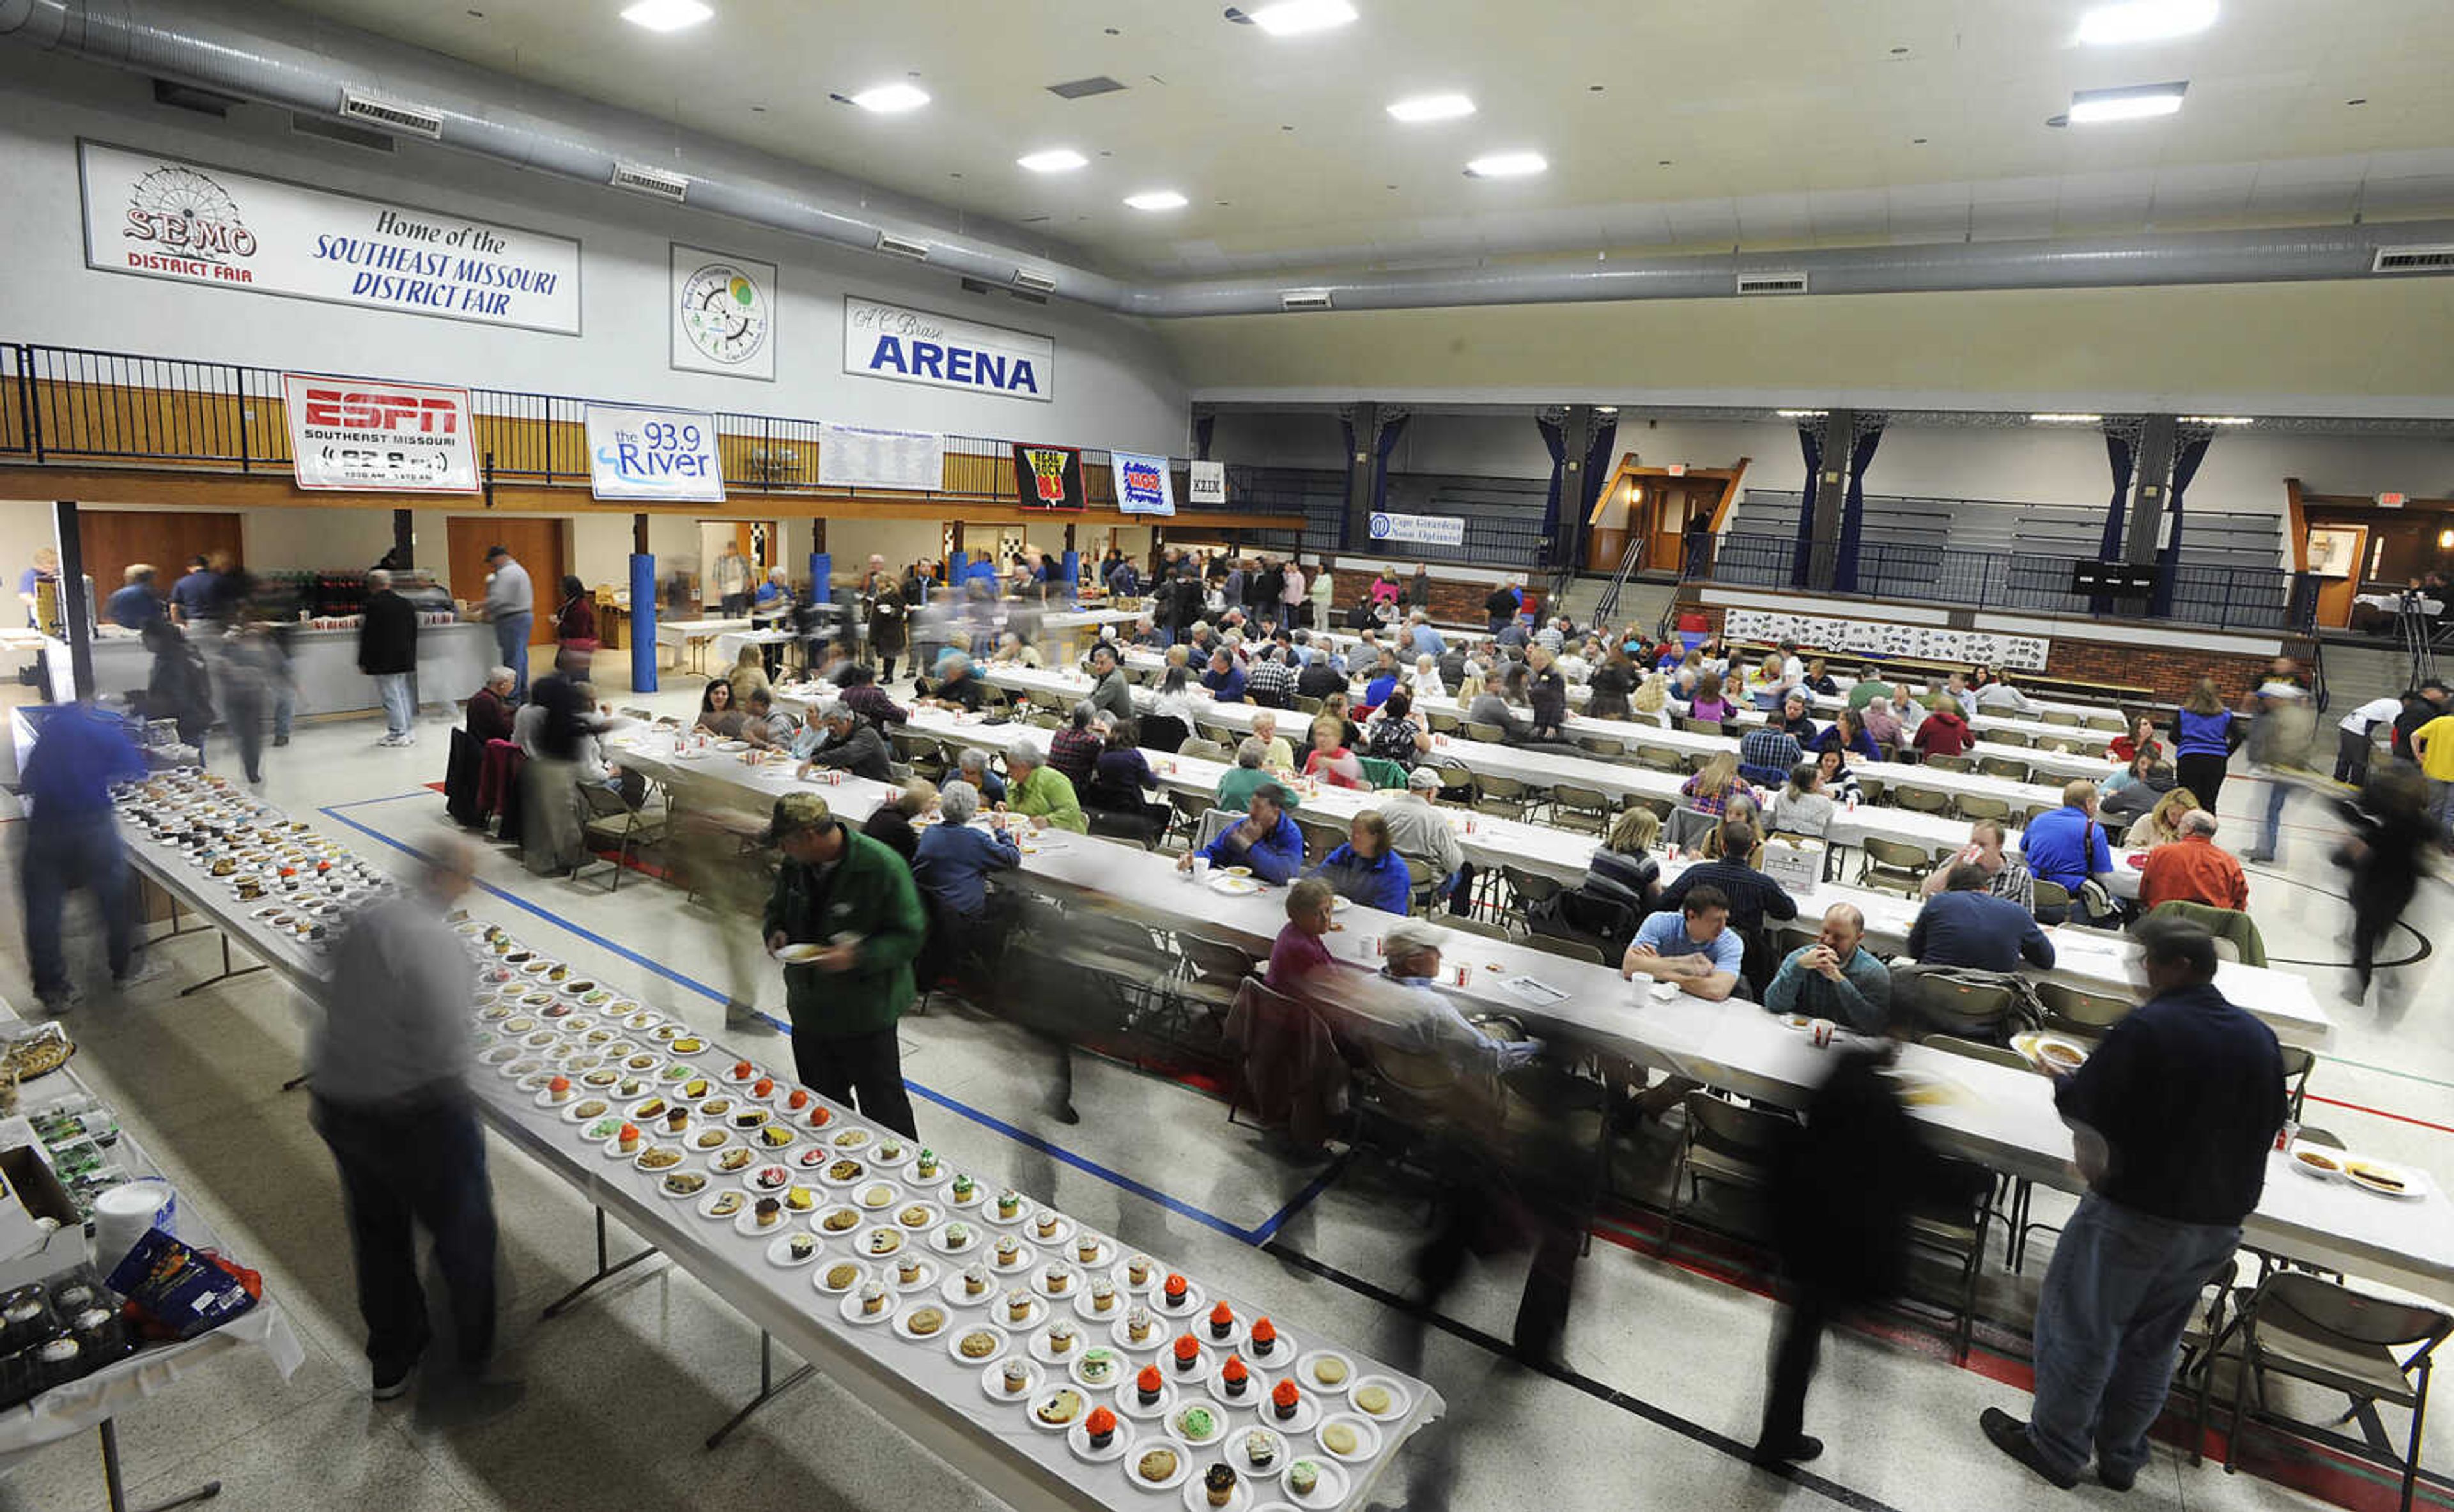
1677,470
2390,501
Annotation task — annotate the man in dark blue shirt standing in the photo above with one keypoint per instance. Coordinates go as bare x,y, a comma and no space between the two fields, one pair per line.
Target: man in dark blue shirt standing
73,841
2173,1118
135,602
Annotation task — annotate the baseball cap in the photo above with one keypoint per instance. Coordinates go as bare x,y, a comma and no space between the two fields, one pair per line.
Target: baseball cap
1423,778
1409,934
795,812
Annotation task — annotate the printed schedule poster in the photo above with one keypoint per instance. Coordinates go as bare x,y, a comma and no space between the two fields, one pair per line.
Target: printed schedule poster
156,217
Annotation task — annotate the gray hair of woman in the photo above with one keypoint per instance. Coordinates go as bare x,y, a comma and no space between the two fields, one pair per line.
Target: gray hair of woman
973,759
1082,713
1025,752
957,803
504,675
1250,753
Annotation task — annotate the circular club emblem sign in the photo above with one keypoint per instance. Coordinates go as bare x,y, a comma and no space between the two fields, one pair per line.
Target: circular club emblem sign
1379,527
725,314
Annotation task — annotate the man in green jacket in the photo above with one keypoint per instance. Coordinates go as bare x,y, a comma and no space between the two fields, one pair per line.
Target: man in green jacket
851,899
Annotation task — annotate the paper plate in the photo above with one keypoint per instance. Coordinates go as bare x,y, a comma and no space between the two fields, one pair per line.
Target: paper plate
1234,886
1079,1438
1327,1492
1367,1436
1158,1440
2385,1178
1362,1399
780,1253
993,1381
1195,1495
850,1309
904,1321
1001,1343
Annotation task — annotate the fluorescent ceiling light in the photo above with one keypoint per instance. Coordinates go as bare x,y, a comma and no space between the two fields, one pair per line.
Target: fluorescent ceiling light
1507,165
1432,108
892,99
2218,419
1157,199
1055,160
1289,19
667,15
2146,21
2125,105
1802,414
2057,418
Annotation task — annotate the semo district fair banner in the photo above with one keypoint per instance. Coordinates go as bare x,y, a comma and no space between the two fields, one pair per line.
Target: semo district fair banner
156,217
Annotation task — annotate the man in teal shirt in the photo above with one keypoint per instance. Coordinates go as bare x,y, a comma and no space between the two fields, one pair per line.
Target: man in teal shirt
1833,978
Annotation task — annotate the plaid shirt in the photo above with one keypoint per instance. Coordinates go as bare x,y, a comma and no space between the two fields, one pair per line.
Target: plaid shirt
1076,753
1766,754
1270,681
870,701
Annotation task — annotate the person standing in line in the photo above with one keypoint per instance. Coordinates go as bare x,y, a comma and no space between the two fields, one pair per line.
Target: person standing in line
192,595
511,603
177,687
2356,738
251,669
135,605
73,841
2432,746
2173,1118
2204,737
575,626
389,1070
388,652
887,611
852,899
732,575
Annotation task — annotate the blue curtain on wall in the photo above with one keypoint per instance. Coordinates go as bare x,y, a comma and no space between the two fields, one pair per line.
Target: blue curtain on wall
2187,457
1853,509
1202,426
1555,438
2123,453
1810,442
1598,461
1390,431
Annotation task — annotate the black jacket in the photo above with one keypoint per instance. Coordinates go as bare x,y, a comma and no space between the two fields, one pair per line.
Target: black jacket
388,635
1846,1184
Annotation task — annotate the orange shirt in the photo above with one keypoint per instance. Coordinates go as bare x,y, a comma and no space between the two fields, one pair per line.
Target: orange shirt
2192,870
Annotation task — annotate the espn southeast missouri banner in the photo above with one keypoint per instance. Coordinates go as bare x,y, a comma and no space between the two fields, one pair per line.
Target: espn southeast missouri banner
1048,476
374,436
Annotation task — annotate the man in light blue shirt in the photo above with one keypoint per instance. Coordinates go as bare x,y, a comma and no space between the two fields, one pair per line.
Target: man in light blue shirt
511,603
1428,641
1693,946
1411,959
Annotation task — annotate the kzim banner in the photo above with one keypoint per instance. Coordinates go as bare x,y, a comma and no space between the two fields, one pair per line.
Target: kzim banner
373,436
669,454
1048,476
1208,484
1144,485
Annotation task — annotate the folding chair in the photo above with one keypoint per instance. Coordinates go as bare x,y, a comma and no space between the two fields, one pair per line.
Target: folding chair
1893,866
1700,726
1189,809
1205,749
1573,949
1487,732
2009,767
1922,800
2062,717
1950,763
1661,758
1974,806
1525,890
1441,721
2081,1012
609,821
1607,747
1499,794
1728,1146
1320,836
1582,809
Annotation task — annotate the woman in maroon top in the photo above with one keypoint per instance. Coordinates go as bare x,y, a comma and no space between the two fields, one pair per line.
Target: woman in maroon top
1942,732
1300,948
574,623
490,707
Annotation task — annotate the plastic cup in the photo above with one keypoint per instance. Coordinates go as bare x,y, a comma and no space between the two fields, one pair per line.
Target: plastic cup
1201,869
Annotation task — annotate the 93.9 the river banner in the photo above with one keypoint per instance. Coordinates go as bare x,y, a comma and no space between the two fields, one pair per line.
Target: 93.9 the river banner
156,217
668,454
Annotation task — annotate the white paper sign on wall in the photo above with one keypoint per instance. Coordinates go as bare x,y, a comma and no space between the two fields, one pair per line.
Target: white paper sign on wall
156,216
723,311
919,346
372,434
859,456
1208,484
1427,530
638,453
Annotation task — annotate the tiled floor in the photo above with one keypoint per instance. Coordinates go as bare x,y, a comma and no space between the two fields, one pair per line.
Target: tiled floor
1663,1365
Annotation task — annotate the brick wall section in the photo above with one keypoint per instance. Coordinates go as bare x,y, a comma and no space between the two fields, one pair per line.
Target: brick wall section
2171,672
1452,604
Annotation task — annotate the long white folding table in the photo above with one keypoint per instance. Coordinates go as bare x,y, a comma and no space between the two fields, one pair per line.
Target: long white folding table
920,1388
2001,1118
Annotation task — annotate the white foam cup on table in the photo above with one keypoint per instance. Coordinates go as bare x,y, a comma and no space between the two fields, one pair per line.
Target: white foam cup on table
122,1213
1201,869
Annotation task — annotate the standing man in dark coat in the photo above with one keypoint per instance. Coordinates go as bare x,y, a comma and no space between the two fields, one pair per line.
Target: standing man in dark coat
388,652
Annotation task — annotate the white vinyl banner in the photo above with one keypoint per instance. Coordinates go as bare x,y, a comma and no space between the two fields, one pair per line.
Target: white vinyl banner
723,310
372,434
1427,530
856,456
915,346
156,216
1144,485
635,453
1208,484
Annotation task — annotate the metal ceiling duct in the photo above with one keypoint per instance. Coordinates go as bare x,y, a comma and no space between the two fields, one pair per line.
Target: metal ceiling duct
299,63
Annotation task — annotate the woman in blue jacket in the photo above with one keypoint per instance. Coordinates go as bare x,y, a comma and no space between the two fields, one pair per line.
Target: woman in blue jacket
1366,868
1847,732
2205,733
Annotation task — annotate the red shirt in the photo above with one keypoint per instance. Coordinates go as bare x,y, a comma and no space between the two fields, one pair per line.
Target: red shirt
2123,748
2192,870
1294,956
1942,734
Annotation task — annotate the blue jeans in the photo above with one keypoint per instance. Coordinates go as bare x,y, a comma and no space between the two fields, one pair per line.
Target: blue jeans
2121,1290
70,853
285,706
2440,806
399,704
512,643
2278,794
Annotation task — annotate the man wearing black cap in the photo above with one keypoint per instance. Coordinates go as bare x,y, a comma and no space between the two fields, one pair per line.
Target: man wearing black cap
848,921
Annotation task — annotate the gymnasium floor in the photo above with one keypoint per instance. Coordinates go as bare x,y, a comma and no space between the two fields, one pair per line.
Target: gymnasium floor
1653,1404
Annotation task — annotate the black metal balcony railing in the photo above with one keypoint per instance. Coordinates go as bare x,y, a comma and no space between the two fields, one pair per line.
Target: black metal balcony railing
2223,597
69,404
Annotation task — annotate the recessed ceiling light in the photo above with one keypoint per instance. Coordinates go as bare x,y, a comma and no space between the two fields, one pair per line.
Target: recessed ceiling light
1288,18
2146,21
2218,419
2057,417
1506,165
1157,199
1802,414
1055,160
1431,107
892,99
2135,103
667,15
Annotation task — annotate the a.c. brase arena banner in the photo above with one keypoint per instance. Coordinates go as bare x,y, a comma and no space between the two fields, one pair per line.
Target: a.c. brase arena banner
165,217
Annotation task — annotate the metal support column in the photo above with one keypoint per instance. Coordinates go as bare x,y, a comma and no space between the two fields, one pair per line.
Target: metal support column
2150,497
404,540
76,607
1829,496
1360,475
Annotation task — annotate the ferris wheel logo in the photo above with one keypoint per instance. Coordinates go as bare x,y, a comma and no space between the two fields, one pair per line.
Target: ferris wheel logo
187,213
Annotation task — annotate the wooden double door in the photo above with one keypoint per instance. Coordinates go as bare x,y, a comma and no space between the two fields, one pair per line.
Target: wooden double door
535,542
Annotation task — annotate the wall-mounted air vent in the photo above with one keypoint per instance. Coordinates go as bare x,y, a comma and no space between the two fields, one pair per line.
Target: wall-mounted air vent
1772,283
640,179
1304,299
1037,283
391,115
901,247
2439,258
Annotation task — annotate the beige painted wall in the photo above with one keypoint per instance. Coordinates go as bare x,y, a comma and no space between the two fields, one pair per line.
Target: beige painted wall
2342,348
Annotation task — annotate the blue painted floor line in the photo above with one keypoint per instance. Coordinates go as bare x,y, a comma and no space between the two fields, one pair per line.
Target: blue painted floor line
1256,1236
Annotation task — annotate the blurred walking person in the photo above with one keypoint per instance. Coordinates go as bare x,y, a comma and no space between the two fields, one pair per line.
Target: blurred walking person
178,688
251,669
510,604
2384,855
73,841
389,1066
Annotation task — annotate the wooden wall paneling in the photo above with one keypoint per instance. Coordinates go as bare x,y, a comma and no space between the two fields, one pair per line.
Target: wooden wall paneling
536,541
111,539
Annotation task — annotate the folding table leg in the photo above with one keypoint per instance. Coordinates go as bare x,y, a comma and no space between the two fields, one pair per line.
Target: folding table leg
604,1271
769,1388
226,973
110,1432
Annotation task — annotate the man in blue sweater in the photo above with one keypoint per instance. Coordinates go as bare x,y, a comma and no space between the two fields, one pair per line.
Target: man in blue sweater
1966,925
